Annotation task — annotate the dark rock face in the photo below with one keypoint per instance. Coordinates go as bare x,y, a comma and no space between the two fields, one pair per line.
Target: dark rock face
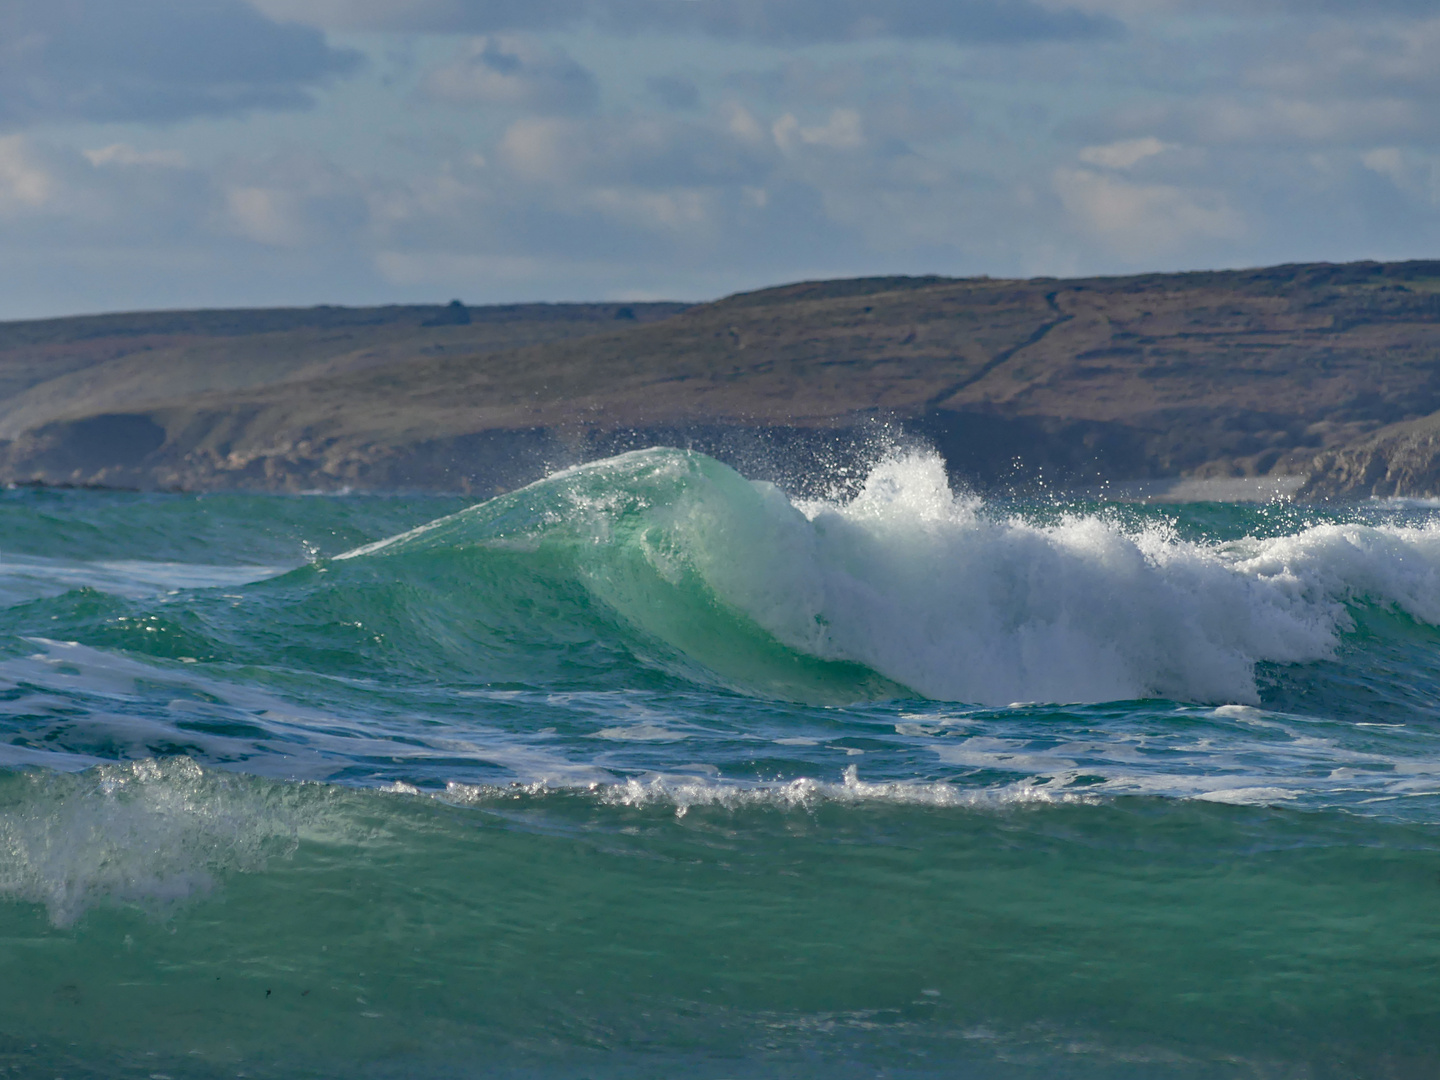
1399,461
111,449
982,453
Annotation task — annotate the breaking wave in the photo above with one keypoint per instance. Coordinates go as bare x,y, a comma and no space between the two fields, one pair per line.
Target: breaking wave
911,589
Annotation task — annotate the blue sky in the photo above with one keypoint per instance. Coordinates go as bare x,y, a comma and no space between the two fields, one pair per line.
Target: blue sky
182,153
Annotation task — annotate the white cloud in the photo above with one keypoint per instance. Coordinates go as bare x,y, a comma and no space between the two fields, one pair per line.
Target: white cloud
513,71
843,131
1123,154
123,154
1139,221
57,196
1387,161
680,210
293,200
25,183
543,148
742,124
265,215
1414,174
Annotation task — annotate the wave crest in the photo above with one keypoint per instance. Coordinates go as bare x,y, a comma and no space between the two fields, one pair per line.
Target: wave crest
937,593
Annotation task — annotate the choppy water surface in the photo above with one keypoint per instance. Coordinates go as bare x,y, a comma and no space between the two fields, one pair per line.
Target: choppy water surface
649,770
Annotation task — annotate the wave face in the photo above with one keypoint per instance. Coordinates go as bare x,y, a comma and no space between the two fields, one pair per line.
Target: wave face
649,770
937,595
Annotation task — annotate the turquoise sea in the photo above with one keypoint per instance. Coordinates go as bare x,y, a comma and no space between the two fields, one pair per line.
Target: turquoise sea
648,770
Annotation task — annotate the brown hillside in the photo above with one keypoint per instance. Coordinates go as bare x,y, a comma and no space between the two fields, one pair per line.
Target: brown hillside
1211,374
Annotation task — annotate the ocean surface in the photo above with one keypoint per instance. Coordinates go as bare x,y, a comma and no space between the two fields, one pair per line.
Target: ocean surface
648,770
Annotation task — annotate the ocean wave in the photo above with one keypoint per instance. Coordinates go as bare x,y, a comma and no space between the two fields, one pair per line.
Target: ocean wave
670,927
936,593
156,833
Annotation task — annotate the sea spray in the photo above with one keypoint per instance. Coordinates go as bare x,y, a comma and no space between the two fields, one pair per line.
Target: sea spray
937,593
650,770
148,832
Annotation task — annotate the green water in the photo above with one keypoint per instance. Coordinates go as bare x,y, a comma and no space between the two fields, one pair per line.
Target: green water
649,771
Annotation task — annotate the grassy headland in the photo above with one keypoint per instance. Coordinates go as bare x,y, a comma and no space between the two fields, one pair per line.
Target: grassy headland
1326,371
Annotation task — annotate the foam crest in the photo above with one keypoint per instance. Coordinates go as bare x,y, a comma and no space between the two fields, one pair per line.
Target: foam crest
689,792
932,591
683,793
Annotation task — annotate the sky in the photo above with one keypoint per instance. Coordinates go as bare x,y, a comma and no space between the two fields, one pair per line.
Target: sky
222,153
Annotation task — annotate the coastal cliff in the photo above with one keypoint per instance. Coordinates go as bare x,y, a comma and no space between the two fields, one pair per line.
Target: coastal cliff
1329,372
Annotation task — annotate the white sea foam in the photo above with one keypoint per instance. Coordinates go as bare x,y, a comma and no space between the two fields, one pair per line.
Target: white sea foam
683,793
931,590
148,832
1309,773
